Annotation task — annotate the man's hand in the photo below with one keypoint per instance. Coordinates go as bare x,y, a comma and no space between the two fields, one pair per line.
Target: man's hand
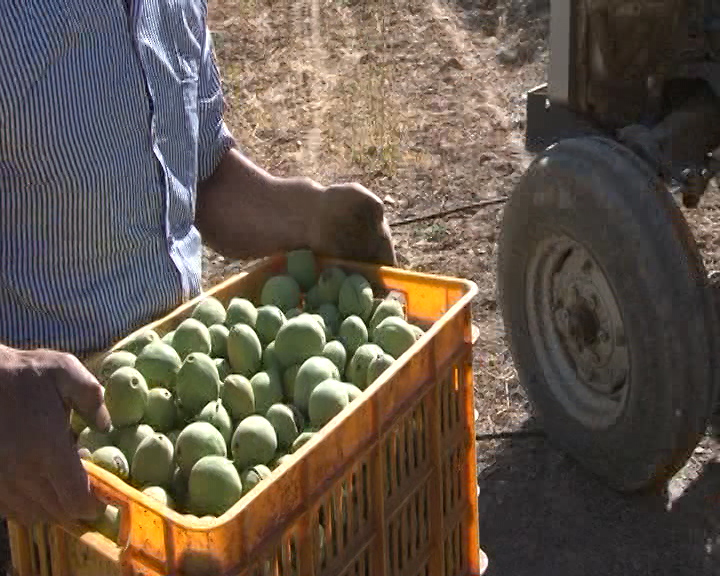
41,475
350,224
245,212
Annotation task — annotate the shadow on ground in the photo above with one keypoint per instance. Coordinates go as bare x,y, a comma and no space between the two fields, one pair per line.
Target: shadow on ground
520,28
493,17
4,548
541,515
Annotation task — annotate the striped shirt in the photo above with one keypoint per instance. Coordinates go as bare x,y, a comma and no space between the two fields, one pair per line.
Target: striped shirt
110,115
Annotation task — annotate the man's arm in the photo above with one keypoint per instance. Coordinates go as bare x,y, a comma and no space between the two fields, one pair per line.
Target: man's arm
244,212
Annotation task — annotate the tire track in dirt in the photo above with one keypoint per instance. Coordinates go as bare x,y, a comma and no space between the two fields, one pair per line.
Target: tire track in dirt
477,57
318,56
307,23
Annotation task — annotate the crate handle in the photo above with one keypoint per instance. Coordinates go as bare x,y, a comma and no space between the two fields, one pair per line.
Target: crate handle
101,483
104,492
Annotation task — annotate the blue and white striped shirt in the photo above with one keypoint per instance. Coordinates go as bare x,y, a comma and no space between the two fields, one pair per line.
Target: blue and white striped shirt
110,115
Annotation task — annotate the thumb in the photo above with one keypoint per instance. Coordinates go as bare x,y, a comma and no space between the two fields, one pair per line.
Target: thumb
81,390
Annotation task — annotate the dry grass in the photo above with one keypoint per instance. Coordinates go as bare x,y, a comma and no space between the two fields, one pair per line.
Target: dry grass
406,97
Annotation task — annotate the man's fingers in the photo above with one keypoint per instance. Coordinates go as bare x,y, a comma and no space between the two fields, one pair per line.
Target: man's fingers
81,390
72,489
35,481
372,203
9,508
15,502
19,512
41,491
386,251
356,195
386,255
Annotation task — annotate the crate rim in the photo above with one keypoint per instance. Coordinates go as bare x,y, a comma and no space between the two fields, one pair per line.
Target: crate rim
98,474
470,287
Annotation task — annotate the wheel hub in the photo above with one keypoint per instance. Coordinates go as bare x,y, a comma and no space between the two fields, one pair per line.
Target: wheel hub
578,330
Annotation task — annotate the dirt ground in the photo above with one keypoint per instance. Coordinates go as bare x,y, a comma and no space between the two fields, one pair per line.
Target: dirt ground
422,102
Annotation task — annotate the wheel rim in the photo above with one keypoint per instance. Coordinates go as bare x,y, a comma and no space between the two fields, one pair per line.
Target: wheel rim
577,332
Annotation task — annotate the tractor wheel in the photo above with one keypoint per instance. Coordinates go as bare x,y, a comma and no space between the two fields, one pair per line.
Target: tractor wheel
608,312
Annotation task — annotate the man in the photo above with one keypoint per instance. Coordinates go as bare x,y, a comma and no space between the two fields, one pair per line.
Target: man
114,162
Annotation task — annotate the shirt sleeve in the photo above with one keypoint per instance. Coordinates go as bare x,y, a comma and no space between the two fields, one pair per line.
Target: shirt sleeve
214,138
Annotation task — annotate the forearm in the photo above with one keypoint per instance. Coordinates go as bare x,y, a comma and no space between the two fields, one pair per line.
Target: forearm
244,212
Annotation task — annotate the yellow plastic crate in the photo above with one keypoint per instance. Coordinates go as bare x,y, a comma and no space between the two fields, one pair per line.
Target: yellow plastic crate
391,482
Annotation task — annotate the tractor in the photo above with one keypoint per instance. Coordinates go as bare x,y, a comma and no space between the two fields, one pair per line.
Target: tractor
609,311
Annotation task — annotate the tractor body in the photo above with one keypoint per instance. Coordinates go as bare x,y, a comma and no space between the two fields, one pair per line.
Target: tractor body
609,312
618,65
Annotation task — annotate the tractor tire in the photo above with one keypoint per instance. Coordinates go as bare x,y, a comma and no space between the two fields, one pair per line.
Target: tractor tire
608,312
